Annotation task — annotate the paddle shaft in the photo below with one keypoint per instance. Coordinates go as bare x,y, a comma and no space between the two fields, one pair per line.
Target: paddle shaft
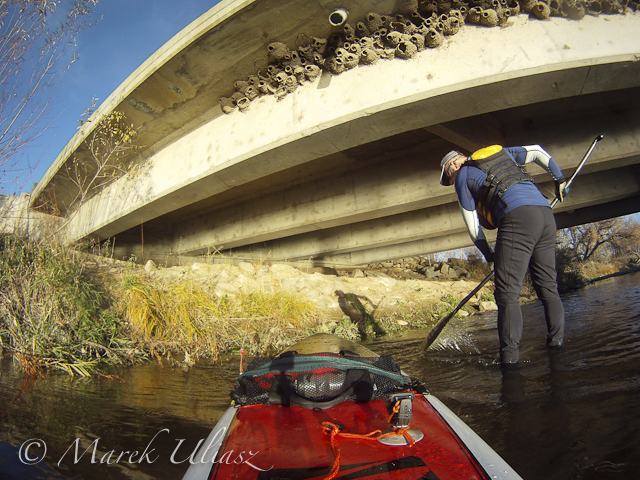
435,331
580,165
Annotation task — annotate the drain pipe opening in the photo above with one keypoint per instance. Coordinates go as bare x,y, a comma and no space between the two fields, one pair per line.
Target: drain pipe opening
338,17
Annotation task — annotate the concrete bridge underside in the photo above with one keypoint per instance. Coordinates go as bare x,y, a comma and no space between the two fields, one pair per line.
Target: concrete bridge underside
344,171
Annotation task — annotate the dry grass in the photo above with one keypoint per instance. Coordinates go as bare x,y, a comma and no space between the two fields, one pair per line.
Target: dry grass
594,270
188,316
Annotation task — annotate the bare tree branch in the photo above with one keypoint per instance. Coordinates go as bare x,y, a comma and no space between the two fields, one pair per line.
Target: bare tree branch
35,39
110,151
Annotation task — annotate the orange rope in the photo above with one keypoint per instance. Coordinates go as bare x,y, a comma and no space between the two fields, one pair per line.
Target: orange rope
396,409
242,354
334,433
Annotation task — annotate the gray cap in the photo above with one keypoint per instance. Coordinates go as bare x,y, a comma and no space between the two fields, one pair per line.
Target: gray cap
443,163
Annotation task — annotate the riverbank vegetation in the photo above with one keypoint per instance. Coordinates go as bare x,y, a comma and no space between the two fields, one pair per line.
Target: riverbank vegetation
56,313
59,311
50,314
188,317
62,309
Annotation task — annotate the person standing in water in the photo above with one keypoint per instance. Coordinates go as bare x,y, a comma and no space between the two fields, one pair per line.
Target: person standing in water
495,191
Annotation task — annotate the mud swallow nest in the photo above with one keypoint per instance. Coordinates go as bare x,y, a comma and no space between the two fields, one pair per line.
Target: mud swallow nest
417,25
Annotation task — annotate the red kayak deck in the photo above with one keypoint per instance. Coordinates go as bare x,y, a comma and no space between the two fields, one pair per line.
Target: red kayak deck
267,442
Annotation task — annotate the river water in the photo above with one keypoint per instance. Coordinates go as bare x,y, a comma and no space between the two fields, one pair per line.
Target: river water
567,414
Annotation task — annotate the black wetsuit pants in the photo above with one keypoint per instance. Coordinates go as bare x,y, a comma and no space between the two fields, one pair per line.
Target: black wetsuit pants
526,240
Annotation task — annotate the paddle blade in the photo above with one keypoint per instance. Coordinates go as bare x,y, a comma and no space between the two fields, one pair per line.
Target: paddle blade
435,331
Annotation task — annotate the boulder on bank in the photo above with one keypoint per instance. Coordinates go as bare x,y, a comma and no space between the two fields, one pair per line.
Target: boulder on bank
422,268
487,307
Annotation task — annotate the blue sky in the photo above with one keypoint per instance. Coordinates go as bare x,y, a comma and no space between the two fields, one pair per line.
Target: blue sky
126,34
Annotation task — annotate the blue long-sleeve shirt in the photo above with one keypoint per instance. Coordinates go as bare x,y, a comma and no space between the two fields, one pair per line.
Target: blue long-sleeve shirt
469,183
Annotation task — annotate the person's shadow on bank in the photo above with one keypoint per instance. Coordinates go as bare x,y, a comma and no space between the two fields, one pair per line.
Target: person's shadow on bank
352,307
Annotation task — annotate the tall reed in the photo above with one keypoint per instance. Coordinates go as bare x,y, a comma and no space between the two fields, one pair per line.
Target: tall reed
51,315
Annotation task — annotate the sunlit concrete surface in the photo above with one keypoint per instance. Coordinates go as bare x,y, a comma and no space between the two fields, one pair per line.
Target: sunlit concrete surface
18,219
345,169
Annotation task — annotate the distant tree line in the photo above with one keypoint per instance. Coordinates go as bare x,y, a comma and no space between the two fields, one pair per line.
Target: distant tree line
596,249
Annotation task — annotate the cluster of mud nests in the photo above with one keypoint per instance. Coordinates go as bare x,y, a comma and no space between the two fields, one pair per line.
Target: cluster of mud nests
415,26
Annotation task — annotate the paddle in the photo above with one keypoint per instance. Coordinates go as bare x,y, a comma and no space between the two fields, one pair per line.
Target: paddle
435,331
580,165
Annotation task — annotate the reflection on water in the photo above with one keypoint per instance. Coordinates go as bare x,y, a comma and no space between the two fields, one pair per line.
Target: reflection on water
565,414
148,412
